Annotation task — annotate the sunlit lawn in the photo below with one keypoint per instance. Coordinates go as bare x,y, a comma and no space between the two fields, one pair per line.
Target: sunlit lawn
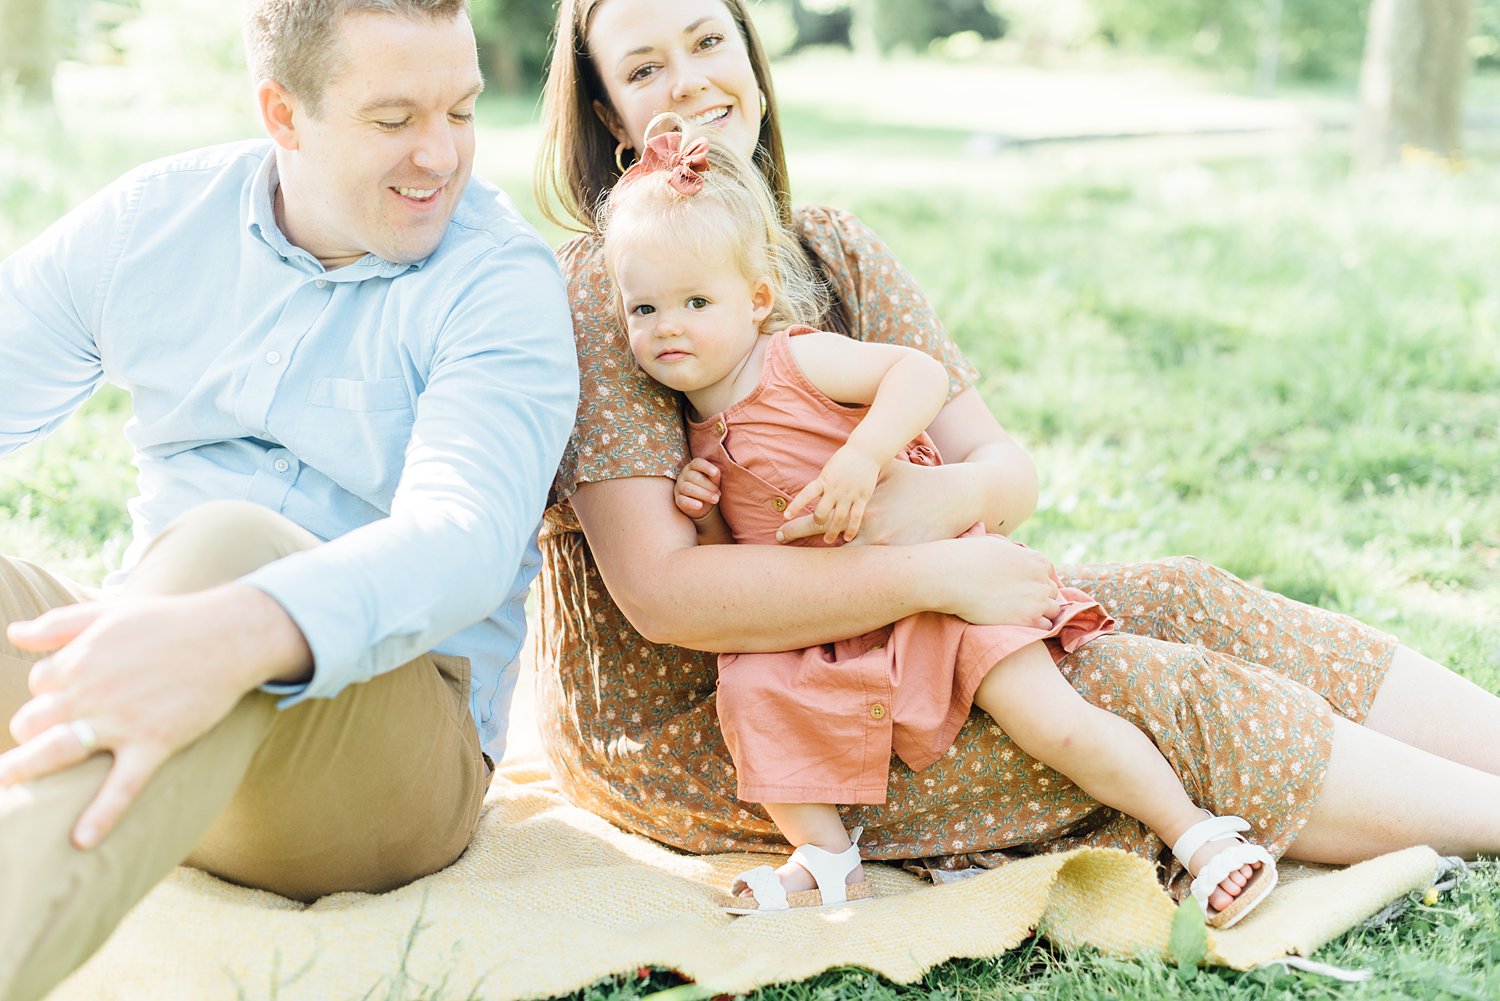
1227,348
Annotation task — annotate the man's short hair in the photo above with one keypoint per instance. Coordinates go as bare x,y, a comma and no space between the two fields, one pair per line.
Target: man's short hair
294,42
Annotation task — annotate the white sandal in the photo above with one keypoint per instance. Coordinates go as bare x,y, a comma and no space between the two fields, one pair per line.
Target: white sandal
828,869
1238,854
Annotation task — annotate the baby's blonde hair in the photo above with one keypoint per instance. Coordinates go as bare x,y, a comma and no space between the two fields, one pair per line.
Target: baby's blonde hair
735,211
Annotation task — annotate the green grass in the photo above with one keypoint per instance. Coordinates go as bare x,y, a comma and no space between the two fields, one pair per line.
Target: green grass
1243,354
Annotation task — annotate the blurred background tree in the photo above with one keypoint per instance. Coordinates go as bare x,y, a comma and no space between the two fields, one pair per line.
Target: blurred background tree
1419,50
817,27
1416,66
514,40
29,47
901,24
1302,39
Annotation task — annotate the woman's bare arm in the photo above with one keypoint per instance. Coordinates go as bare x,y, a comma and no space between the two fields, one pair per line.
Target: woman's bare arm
749,598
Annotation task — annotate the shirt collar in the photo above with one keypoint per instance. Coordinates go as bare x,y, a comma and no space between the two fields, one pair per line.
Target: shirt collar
260,222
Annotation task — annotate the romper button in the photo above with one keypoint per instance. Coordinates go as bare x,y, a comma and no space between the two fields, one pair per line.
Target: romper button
778,504
877,711
719,427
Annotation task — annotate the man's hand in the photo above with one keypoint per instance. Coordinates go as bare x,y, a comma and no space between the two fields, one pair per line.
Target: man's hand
142,677
697,491
841,491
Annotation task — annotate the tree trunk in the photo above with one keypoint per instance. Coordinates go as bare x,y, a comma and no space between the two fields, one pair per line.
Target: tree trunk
1268,58
504,67
28,47
1412,82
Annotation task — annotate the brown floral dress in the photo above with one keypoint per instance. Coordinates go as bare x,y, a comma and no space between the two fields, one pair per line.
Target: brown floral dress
1235,685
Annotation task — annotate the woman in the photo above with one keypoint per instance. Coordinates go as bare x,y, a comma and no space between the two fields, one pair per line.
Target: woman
1333,740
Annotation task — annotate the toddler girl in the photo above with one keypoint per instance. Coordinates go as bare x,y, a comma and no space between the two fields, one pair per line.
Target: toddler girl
782,417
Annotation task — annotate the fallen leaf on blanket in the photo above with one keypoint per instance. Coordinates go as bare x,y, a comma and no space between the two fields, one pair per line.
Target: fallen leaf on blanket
1188,942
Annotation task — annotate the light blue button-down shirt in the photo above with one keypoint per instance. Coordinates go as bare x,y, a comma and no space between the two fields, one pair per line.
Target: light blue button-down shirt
412,415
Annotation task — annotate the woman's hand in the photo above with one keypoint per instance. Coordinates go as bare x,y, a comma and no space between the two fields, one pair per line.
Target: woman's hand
993,581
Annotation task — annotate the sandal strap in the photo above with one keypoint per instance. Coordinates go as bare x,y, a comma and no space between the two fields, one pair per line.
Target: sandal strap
829,869
1221,865
1210,829
766,886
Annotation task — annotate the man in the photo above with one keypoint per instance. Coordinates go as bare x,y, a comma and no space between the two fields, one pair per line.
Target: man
351,373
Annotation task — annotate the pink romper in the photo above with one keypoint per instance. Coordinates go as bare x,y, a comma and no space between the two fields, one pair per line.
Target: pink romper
819,725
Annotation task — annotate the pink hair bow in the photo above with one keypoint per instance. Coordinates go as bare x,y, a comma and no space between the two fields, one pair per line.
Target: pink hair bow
686,166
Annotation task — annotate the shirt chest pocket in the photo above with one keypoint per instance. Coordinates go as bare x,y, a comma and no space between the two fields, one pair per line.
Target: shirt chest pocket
370,419
361,395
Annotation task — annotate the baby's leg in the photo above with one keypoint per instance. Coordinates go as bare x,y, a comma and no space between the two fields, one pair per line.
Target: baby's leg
815,824
1104,755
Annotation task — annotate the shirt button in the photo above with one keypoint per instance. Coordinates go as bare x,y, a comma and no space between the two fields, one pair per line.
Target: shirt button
778,504
273,357
719,427
321,283
877,711
282,465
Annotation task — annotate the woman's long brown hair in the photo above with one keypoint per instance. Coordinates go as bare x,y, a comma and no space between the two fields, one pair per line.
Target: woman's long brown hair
577,166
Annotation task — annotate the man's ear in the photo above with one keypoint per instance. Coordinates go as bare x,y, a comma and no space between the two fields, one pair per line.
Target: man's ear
762,299
611,121
279,112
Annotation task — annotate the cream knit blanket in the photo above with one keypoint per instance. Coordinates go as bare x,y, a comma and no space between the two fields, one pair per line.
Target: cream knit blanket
550,898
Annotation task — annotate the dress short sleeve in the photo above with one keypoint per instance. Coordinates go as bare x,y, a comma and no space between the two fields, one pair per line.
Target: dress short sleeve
628,424
883,301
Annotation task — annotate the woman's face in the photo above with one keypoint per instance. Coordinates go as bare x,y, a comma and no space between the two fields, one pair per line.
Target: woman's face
682,56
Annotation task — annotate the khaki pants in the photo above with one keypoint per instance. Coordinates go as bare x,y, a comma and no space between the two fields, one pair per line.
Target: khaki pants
366,791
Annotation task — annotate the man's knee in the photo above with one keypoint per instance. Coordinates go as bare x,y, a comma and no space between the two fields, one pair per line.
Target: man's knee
214,543
27,591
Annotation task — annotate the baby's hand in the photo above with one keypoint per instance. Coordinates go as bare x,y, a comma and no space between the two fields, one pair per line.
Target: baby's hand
841,491
697,490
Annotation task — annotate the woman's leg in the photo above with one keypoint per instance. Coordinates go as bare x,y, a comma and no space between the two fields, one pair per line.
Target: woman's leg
1362,673
1424,704
1380,795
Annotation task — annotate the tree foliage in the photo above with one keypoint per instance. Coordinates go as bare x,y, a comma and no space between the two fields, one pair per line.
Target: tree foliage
514,39
903,24
1312,38
1317,38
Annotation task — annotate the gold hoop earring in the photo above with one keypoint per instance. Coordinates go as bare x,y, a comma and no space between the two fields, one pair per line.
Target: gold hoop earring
762,105
620,155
